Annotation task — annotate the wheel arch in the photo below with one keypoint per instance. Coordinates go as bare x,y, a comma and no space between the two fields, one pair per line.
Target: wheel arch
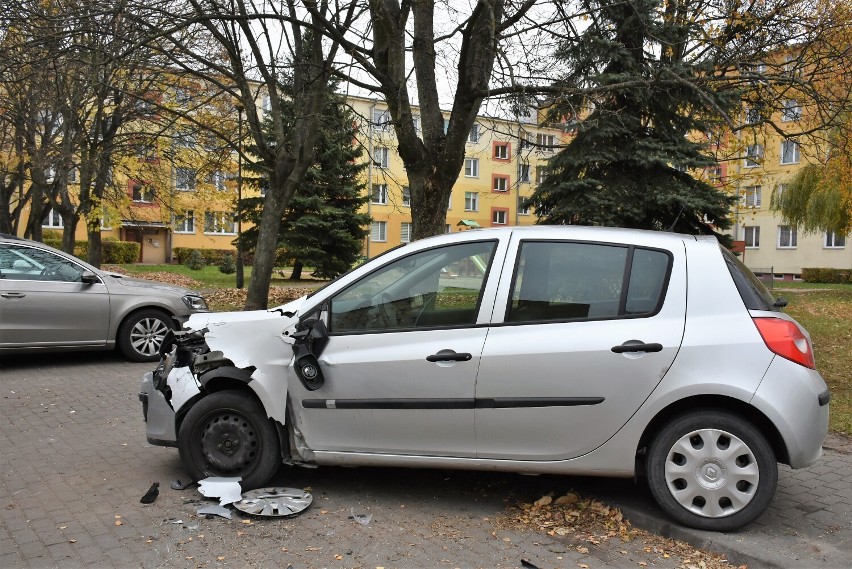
721,403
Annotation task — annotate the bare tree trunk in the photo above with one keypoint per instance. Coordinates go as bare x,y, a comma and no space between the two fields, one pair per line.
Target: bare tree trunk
296,275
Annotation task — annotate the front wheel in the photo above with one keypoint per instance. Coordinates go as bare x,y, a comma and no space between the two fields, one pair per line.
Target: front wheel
228,433
712,470
142,334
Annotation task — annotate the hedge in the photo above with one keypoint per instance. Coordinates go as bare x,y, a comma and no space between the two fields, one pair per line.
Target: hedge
113,251
830,276
211,256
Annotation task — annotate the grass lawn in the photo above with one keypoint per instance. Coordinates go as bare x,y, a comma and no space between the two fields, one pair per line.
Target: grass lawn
827,315
211,277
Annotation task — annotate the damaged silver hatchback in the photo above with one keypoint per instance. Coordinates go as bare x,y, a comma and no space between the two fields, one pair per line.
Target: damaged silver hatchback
562,350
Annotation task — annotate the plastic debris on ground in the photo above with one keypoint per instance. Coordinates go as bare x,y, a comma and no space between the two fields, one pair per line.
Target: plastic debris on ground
363,519
226,489
220,511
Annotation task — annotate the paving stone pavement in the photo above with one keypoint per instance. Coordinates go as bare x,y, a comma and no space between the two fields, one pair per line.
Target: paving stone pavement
75,463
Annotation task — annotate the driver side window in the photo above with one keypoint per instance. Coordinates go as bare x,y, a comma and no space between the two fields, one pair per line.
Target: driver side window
30,264
435,288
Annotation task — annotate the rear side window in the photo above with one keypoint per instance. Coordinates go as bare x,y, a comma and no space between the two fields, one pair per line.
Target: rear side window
754,294
586,281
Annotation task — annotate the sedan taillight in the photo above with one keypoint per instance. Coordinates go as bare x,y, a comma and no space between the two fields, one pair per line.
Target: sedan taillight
786,339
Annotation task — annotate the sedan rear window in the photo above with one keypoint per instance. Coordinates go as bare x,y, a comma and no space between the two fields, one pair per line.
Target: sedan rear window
586,281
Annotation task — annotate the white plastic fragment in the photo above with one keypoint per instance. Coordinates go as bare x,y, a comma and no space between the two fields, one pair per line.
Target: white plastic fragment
225,488
221,511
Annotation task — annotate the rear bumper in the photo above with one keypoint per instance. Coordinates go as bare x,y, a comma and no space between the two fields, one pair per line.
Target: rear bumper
795,399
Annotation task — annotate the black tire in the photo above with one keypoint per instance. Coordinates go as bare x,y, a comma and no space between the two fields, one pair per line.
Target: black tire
142,333
712,470
228,433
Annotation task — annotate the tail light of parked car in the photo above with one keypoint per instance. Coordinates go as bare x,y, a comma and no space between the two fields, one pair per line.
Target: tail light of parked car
786,339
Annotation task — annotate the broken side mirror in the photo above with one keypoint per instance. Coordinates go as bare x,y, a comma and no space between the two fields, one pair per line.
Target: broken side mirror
309,372
308,344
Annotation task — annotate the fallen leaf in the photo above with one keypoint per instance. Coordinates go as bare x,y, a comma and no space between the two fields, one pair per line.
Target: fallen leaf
118,523
247,522
220,558
338,557
582,549
72,541
543,501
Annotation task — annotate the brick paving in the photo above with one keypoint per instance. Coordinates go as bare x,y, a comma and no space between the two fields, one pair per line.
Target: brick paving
75,463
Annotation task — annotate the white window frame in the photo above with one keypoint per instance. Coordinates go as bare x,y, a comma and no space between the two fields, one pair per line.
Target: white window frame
501,151
381,120
524,172
754,156
753,196
379,195
831,239
185,224
406,196
379,232
499,217
793,147
147,193
540,173
217,179
787,237
751,234
792,111
405,232
220,223
185,179
474,134
381,157
471,167
500,184
546,142
471,201
53,220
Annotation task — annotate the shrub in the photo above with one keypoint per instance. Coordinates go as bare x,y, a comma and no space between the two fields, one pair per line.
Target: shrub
829,276
117,252
228,266
210,256
196,261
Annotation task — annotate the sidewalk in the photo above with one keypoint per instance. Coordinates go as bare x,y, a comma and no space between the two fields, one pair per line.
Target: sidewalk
808,525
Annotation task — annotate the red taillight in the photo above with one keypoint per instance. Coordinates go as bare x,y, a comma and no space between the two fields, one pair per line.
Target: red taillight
786,339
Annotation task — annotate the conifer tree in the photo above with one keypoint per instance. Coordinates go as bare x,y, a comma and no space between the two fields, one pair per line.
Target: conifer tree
630,161
322,227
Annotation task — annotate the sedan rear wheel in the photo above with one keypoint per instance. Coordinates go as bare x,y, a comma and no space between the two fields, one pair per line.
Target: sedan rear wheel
141,335
712,470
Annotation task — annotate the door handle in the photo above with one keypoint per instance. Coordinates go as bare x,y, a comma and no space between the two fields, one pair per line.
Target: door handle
12,295
449,356
625,348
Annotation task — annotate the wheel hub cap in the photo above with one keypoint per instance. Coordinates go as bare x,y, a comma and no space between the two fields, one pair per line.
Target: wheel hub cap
229,443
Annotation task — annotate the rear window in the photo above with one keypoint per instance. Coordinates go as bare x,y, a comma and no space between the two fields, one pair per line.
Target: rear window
754,294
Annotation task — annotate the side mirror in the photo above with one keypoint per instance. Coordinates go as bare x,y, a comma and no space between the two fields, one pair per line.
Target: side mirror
88,277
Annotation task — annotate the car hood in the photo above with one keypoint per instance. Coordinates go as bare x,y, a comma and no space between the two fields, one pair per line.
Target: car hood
146,284
208,319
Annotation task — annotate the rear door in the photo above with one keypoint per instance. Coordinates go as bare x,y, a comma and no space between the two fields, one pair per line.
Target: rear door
582,334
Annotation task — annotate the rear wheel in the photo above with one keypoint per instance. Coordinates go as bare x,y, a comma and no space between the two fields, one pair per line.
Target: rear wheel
228,433
712,470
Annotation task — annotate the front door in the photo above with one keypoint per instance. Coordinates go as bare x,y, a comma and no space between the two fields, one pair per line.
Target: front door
588,330
401,361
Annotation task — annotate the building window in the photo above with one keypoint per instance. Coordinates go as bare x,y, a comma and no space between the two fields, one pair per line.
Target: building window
524,140
471,167
499,216
217,179
499,183
834,241
714,174
380,194
540,174
185,223
789,152
502,151
523,209
146,152
406,196
266,104
447,228
471,201
220,222
185,179
379,231
381,157
754,155
405,232
752,197
381,120
751,235
752,116
546,142
473,135
141,192
787,238
792,110
53,220
524,172
415,120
